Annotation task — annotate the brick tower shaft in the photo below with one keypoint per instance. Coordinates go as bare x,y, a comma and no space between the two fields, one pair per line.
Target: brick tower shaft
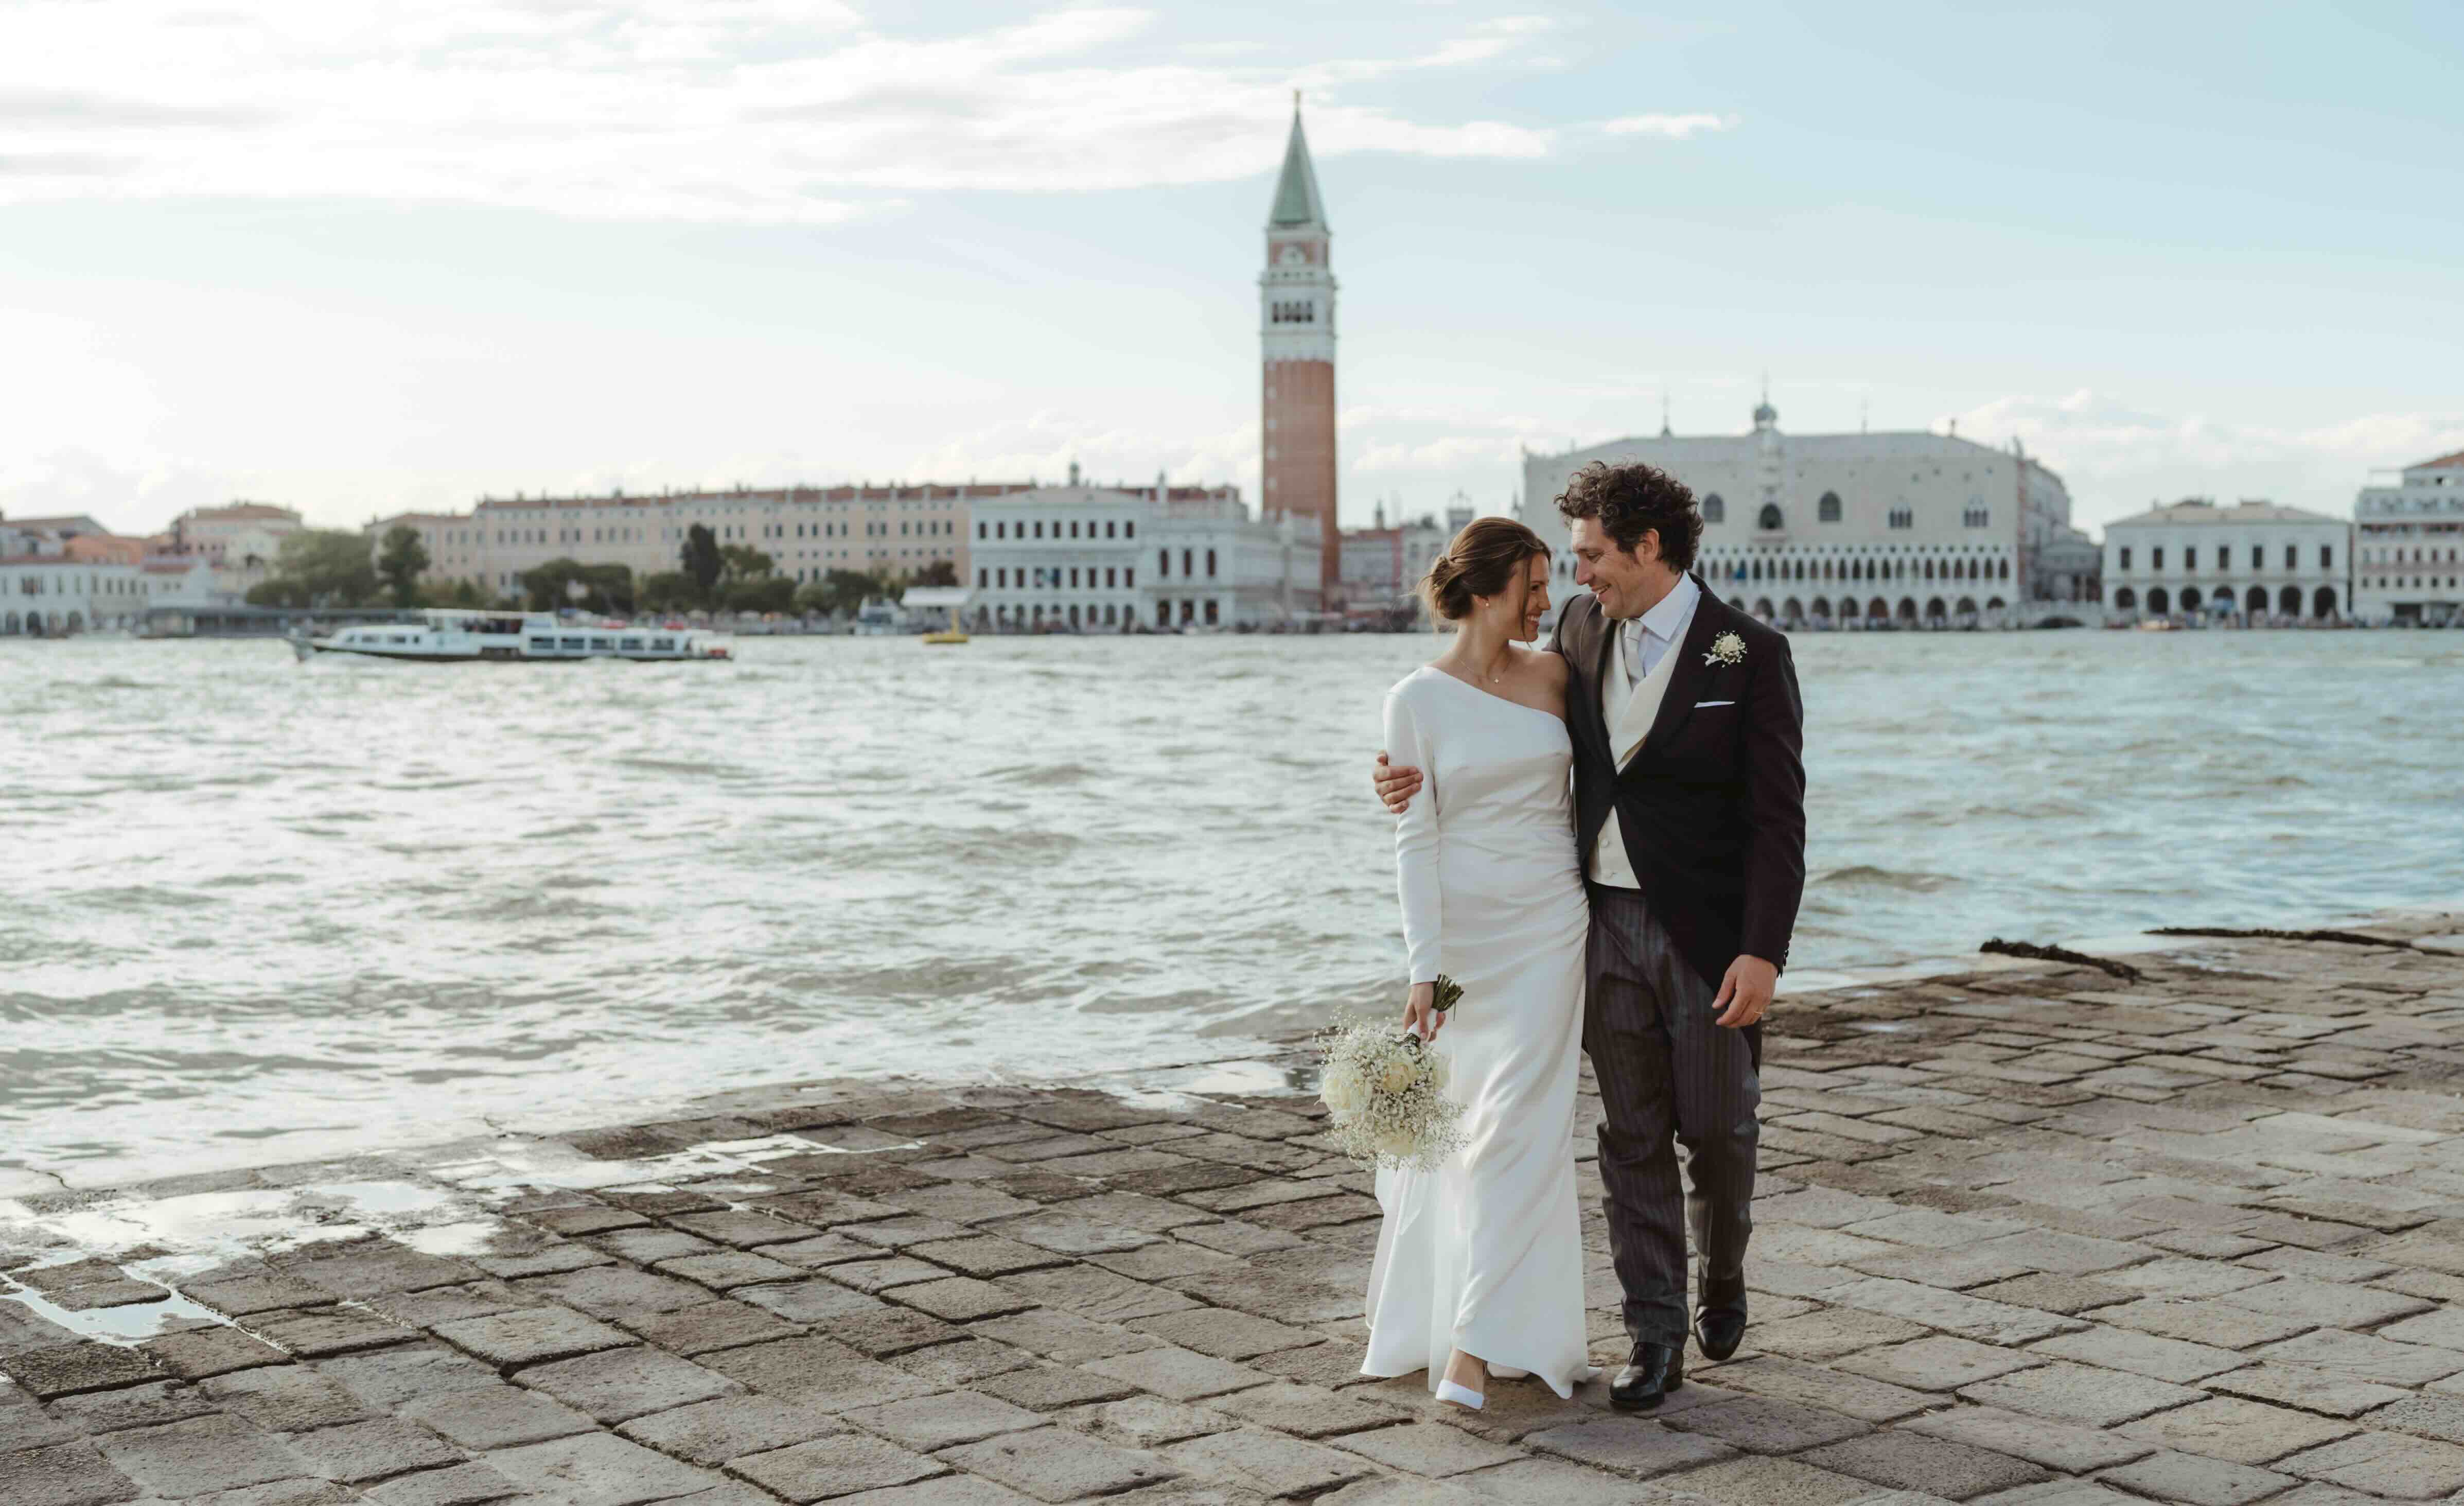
1296,338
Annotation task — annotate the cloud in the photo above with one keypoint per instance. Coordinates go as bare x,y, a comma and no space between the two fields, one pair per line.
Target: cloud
61,482
730,110
2117,456
1042,446
1674,127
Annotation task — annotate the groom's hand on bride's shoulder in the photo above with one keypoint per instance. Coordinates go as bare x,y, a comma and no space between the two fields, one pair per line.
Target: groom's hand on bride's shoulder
1746,993
1396,785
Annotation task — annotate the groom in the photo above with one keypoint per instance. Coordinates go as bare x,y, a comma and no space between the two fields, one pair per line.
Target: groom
1689,808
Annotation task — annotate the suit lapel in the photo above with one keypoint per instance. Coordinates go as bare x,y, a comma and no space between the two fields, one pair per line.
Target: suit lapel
1594,661
1678,702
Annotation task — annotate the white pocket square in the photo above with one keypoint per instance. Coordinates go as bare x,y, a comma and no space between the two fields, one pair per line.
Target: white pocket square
1705,705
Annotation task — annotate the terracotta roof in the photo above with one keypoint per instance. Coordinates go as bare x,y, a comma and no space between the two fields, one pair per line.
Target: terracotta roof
2445,462
238,510
928,491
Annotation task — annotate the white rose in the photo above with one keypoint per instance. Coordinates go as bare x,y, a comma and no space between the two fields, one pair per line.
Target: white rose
1343,1092
1400,1075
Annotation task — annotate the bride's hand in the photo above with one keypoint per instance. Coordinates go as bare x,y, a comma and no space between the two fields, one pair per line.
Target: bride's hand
1421,1015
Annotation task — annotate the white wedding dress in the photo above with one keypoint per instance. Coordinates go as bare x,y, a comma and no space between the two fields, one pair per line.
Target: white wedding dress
1485,1253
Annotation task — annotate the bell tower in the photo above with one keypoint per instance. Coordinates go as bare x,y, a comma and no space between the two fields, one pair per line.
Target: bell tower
1296,334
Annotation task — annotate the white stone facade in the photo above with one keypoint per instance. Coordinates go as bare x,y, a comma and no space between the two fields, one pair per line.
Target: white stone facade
1217,567
51,594
2253,561
1095,560
1060,559
1842,529
2409,543
807,531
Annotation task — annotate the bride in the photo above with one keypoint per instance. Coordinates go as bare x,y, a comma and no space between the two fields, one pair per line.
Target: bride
1479,1268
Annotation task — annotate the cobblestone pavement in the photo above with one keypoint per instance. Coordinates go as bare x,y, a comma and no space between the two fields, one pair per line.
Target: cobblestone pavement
2030,1235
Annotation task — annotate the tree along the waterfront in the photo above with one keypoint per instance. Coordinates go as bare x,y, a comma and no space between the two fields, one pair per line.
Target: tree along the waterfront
401,558
702,563
603,587
318,568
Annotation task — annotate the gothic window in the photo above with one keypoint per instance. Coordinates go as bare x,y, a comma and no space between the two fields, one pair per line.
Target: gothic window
1714,510
1771,519
1904,518
1827,510
1210,564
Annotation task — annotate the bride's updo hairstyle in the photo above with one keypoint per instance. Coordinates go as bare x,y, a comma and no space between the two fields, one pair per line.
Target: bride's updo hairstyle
1482,561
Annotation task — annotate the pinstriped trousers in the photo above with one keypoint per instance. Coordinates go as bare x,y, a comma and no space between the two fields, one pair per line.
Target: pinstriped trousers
1668,1075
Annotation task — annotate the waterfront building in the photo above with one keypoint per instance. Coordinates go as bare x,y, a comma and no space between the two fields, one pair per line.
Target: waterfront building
2408,544
2254,560
1382,567
1091,559
1825,530
239,540
1296,368
60,528
1063,556
807,531
46,591
238,534
1217,567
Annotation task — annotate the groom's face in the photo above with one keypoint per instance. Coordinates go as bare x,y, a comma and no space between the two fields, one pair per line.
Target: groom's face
1620,578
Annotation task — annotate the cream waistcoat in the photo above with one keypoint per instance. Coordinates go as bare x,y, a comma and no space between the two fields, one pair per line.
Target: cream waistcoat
1629,716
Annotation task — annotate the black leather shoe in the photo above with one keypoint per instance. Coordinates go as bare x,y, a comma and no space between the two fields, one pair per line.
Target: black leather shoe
1720,1324
1650,1374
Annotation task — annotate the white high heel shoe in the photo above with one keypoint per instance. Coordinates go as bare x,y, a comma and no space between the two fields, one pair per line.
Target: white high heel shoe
1461,1395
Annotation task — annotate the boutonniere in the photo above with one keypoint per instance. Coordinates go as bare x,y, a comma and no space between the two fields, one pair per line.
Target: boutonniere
1726,648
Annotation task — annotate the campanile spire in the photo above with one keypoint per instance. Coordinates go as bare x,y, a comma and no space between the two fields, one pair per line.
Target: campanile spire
1296,336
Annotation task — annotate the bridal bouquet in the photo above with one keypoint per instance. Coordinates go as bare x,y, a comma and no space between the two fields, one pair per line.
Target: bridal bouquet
1386,1092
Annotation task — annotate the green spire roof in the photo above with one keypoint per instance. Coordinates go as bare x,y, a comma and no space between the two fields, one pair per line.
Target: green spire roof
1297,200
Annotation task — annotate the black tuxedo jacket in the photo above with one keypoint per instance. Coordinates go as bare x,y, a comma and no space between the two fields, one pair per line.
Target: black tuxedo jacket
1712,804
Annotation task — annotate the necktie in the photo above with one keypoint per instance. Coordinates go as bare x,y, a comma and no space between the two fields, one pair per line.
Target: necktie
1635,639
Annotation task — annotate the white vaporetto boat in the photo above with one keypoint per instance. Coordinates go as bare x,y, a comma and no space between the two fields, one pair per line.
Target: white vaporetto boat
453,638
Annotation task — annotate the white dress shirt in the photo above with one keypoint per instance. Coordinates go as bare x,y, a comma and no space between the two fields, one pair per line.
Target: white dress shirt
1643,643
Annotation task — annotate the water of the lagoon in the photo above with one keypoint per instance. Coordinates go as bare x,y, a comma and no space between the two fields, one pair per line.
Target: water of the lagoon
260,911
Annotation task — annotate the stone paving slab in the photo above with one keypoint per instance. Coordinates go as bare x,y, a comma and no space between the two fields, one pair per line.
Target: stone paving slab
2048,1239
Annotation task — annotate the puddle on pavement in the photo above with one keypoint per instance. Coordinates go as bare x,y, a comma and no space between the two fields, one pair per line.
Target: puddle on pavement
123,1326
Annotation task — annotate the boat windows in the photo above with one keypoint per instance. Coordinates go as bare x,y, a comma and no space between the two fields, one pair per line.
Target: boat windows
631,645
662,644
542,645
576,643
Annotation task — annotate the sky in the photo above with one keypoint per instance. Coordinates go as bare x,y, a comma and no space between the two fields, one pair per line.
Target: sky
361,257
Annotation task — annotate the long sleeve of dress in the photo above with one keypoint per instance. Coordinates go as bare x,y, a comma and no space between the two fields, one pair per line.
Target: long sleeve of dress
1416,841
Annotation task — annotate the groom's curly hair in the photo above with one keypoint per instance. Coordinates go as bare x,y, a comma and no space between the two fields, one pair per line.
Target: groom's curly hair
1631,499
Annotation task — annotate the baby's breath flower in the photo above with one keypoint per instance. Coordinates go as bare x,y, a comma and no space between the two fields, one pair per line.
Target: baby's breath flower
1385,1097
